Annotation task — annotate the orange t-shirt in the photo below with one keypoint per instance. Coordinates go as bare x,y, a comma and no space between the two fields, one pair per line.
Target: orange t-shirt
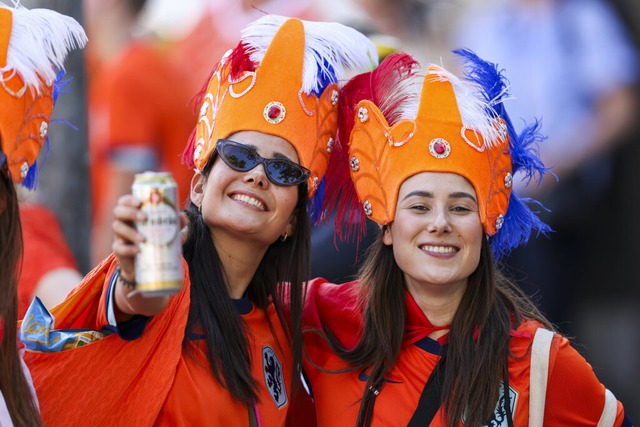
139,101
196,398
575,397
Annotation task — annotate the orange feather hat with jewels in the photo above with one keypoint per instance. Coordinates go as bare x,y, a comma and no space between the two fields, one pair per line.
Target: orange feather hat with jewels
282,80
405,121
436,141
33,44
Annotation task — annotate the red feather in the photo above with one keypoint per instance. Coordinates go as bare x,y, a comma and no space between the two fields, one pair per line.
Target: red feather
377,85
240,62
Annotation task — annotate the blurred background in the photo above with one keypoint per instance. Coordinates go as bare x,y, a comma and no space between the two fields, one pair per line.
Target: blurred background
572,64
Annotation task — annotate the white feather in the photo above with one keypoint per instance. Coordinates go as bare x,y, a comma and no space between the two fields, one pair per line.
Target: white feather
476,113
327,44
400,98
40,41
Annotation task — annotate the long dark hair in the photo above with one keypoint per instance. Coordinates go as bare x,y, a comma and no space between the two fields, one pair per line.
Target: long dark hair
13,384
491,302
278,280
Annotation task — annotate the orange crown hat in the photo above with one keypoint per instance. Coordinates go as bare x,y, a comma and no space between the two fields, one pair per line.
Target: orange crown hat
431,121
33,46
282,79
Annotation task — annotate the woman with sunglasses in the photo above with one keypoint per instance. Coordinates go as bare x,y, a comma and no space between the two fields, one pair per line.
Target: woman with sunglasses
33,43
432,334
222,351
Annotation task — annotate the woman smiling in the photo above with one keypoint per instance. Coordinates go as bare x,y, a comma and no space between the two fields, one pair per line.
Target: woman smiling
432,334
221,351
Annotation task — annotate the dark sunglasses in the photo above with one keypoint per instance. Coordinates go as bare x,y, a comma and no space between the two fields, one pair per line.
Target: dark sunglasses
243,158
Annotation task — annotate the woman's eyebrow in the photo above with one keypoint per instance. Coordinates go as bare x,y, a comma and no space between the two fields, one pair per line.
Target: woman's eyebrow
419,193
429,194
462,195
277,154
281,156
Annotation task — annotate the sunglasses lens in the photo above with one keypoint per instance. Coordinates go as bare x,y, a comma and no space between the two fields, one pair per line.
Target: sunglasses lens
239,158
285,173
243,159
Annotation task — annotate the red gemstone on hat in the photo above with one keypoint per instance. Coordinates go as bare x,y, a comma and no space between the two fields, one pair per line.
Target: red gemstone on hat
439,147
274,112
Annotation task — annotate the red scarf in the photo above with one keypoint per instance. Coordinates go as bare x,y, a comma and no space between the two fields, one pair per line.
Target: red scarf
417,325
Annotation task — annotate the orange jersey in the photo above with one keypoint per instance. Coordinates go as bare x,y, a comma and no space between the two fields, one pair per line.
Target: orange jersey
196,398
574,395
150,380
140,102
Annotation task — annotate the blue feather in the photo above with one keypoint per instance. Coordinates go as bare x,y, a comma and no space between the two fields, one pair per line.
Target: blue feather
520,221
31,179
314,206
59,86
326,76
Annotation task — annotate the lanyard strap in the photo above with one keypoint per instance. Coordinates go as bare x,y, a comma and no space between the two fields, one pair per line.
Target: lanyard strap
430,399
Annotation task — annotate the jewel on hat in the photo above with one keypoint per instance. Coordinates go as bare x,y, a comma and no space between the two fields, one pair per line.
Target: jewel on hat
439,148
274,112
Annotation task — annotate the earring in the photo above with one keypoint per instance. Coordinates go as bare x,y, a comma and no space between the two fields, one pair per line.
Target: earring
200,208
283,237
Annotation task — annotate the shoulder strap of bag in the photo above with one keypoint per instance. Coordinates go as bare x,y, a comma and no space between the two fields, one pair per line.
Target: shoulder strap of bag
538,376
608,416
430,399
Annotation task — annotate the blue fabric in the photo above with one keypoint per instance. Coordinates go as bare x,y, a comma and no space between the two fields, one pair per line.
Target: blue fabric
38,332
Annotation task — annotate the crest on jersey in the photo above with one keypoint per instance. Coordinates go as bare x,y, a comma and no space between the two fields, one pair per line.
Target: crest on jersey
273,377
499,417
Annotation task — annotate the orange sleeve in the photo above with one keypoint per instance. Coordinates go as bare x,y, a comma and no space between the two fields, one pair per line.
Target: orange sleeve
45,249
73,386
575,396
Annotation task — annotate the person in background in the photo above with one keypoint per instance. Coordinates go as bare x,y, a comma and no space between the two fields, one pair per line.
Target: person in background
33,46
49,269
432,333
139,114
572,64
218,26
222,350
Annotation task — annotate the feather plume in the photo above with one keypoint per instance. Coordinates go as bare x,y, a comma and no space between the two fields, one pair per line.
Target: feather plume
196,102
394,86
520,221
332,50
476,111
40,41
60,85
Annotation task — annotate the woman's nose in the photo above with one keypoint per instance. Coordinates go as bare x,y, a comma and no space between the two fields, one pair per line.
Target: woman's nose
257,176
439,222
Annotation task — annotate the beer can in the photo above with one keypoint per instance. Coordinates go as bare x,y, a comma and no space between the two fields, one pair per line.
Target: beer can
159,262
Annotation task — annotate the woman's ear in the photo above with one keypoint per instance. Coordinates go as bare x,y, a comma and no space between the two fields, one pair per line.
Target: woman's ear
290,229
387,235
197,189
